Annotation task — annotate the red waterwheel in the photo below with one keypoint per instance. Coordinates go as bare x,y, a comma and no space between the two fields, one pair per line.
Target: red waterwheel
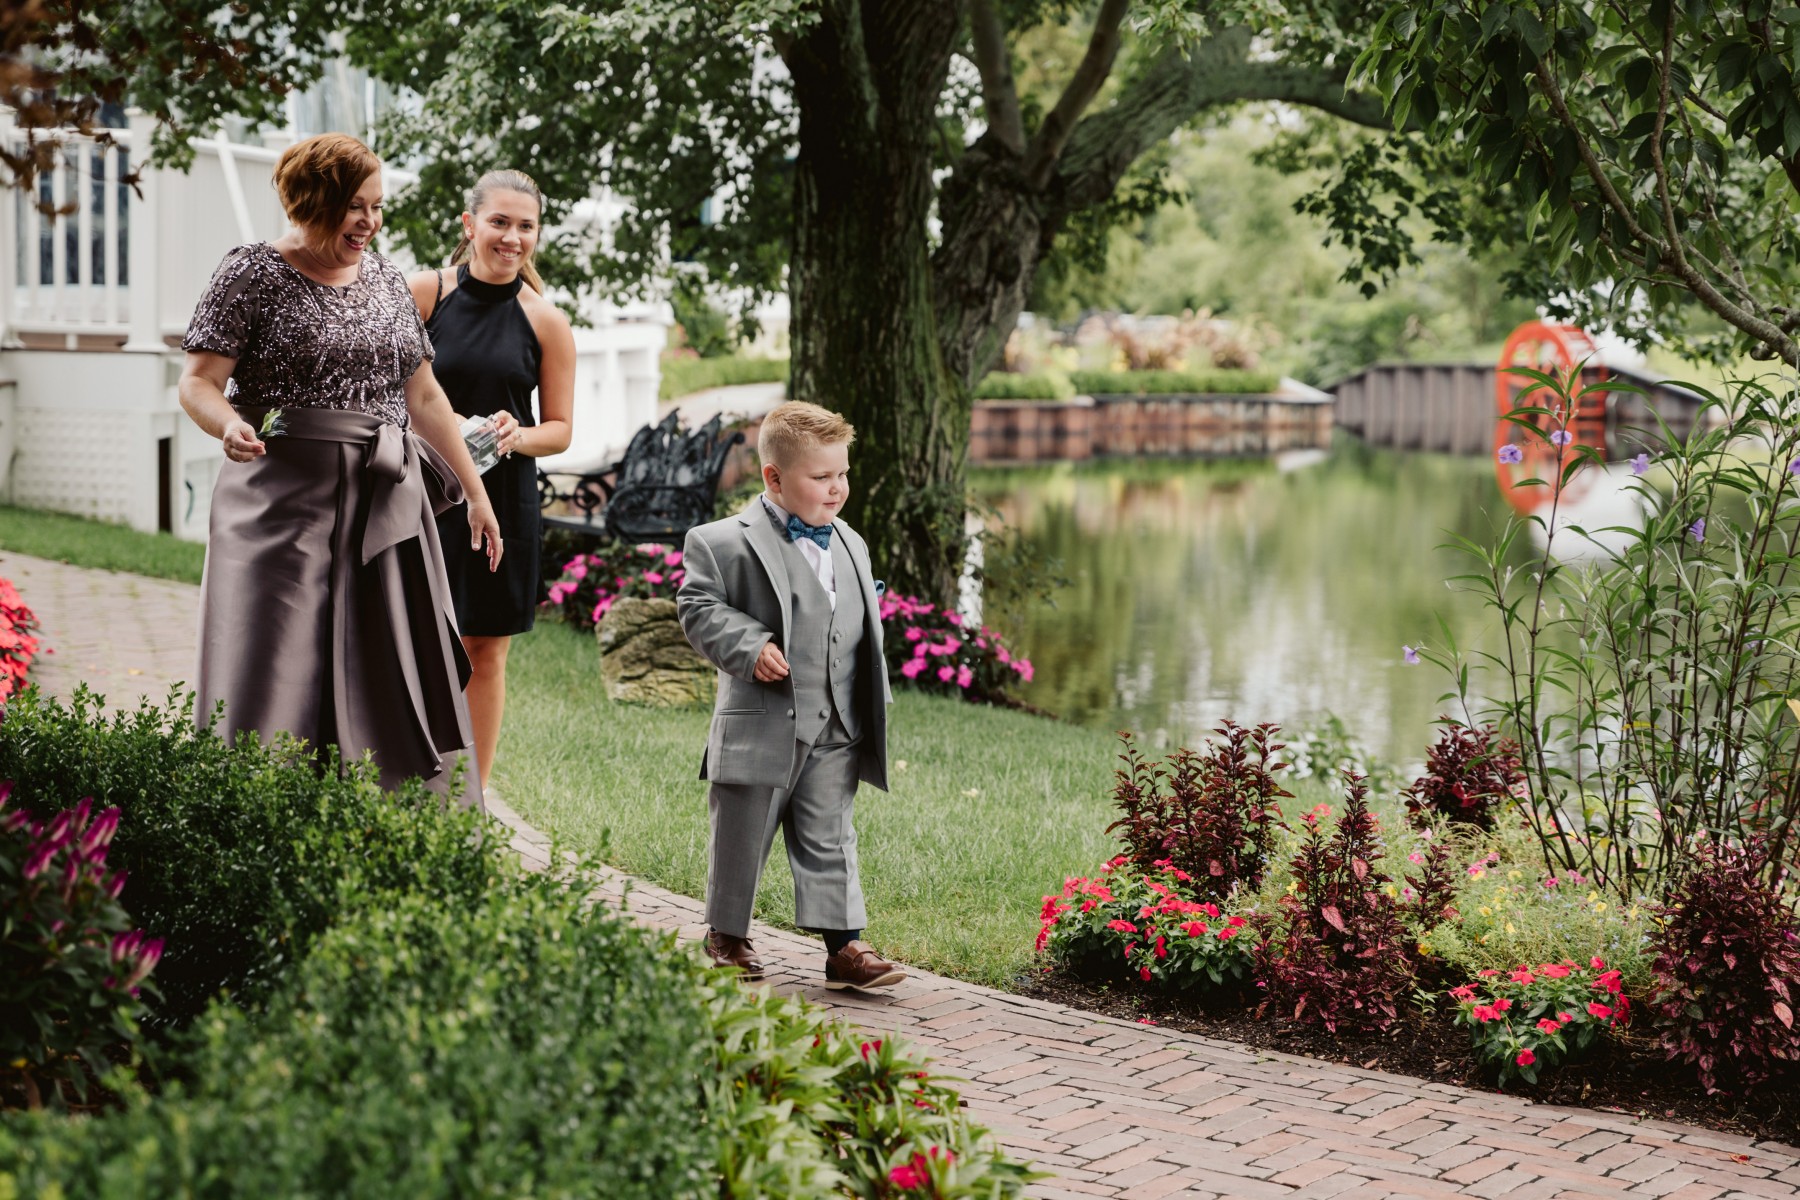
1555,350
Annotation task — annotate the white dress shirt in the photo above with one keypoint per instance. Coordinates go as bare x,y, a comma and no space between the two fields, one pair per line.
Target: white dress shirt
817,555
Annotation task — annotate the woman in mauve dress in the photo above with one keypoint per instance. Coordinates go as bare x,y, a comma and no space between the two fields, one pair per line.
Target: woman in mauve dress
324,611
498,341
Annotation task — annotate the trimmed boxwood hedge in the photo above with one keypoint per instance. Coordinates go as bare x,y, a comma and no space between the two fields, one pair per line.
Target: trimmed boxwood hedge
524,1046
1174,383
1025,385
397,1008
238,856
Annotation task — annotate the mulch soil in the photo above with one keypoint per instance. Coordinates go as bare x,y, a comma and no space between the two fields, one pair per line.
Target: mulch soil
1628,1076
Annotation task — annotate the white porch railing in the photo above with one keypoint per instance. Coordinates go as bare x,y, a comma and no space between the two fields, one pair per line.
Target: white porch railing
84,278
102,433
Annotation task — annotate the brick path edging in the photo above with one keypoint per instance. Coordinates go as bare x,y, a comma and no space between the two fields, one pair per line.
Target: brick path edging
1115,1109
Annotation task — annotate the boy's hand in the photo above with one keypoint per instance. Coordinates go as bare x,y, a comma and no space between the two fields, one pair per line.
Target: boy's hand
771,664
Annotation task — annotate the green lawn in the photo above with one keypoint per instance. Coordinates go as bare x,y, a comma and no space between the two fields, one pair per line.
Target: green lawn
98,544
992,810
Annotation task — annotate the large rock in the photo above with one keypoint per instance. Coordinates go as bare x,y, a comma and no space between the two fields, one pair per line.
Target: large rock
645,658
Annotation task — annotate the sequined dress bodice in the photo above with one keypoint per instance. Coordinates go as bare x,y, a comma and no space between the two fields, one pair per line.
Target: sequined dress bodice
303,344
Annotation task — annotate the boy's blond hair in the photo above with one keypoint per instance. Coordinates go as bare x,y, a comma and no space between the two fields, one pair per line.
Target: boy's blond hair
796,426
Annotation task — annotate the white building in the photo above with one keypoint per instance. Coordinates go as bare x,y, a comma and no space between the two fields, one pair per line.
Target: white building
93,306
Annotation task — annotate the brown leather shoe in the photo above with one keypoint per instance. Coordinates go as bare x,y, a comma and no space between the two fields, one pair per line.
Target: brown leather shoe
728,951
858,966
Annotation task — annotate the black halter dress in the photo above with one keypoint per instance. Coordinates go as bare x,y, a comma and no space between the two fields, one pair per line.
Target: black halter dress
487,362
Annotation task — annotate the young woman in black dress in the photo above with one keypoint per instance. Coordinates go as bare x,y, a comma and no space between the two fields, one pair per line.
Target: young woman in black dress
497,341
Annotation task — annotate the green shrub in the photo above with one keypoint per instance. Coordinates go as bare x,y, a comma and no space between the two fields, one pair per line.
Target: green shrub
524,1046
410,1014
1507,915
1173,383
681,376
238,855
809,1108
1034,385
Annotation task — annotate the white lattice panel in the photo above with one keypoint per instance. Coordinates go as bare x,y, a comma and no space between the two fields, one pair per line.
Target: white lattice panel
82,462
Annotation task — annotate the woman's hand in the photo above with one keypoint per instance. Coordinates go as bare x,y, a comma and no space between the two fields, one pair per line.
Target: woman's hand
482,524
241,442
508,432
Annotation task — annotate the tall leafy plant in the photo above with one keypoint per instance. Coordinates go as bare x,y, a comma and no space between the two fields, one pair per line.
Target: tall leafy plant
1211,814
1338,953
1643,668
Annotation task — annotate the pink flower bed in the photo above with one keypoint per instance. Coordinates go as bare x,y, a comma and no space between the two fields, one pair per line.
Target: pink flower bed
935,650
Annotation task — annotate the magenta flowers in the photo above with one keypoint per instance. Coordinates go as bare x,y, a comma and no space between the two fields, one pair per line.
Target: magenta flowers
938,650
592,583
70,966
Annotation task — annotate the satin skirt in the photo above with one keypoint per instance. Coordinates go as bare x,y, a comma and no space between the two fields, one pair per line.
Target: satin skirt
324,607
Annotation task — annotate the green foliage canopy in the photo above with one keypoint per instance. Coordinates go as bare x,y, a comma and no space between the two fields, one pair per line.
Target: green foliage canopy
1639,155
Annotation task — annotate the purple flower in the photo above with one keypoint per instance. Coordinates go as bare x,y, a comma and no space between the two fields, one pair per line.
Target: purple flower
100,832
1409,655
1561,437
1794,467
1697,530
1641,463
1511,454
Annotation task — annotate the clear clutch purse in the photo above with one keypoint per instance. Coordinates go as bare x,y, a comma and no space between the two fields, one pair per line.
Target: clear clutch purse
483,441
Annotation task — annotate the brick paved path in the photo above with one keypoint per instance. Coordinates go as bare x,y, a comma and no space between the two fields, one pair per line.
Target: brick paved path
1114,1109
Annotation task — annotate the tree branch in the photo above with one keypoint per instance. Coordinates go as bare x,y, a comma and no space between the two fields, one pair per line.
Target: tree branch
1771,335
1084,85
1176,87
1326,90
999,95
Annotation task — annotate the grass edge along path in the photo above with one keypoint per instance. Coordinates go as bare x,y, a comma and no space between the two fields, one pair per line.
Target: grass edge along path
84,542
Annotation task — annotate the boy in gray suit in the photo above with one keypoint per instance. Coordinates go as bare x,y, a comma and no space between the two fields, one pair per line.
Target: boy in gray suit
782,600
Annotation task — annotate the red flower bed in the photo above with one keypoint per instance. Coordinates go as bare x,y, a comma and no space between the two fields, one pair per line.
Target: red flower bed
18,641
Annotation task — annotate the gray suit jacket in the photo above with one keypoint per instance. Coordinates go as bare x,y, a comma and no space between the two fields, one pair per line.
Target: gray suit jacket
735,597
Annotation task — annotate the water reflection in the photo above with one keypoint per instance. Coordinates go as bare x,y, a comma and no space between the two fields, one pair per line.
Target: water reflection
1207,589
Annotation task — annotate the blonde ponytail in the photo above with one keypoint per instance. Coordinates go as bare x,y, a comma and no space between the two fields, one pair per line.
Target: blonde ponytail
515,181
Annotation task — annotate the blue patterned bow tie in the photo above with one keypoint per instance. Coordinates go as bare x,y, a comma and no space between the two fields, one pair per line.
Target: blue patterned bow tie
797,529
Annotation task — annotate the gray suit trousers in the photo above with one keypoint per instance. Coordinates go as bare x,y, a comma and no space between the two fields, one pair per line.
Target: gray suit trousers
815,816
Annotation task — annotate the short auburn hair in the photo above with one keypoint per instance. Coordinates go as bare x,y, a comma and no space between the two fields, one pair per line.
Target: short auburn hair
795,426
317,178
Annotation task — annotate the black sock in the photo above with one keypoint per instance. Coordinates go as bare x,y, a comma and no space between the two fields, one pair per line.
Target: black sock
837,939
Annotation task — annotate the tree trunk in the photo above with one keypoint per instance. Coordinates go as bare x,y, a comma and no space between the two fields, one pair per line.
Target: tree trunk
894,336
866,80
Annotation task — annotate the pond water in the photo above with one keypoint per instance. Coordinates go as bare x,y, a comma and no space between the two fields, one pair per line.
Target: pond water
1258,590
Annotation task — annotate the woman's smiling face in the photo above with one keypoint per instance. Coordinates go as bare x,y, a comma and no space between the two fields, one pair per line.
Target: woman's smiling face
361,223
503,234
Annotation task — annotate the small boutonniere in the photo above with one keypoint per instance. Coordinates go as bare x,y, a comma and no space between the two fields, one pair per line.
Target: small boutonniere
274,424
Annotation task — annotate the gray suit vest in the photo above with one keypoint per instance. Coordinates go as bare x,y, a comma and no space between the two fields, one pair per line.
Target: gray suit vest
824,643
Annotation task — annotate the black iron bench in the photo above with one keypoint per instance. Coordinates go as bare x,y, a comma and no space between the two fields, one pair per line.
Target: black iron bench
664,486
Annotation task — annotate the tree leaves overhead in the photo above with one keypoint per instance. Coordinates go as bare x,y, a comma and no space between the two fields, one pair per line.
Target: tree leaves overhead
1634,156
188,62
676,108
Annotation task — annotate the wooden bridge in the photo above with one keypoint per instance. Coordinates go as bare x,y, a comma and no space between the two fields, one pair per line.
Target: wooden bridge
1451,408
